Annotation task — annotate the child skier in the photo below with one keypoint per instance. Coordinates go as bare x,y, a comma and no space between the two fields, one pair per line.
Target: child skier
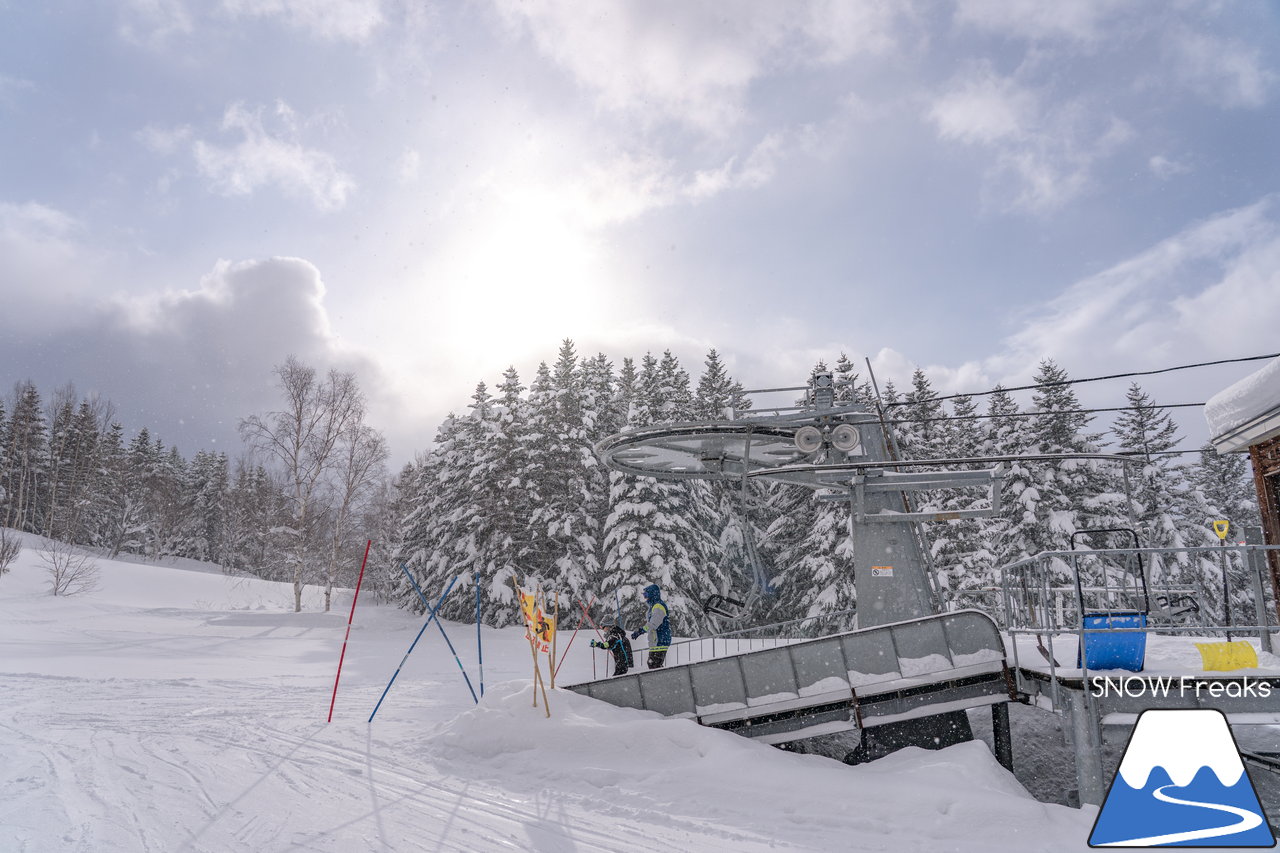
617,644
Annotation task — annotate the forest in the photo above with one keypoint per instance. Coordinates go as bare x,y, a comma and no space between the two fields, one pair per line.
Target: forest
511,492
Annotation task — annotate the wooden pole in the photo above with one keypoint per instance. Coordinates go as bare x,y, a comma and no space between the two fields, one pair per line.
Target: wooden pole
533,649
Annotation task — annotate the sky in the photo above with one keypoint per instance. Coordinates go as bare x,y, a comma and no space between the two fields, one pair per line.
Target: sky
425,193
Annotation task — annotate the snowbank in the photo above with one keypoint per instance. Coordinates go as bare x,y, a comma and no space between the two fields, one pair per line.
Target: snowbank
679,777
1256,395
183,710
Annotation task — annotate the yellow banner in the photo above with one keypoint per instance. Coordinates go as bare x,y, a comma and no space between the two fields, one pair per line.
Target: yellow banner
546,626
528,606
536,622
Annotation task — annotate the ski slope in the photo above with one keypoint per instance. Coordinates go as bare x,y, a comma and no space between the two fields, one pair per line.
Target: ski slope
177,709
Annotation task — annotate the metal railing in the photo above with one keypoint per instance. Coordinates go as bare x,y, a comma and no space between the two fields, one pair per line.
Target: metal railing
1045,596
754,639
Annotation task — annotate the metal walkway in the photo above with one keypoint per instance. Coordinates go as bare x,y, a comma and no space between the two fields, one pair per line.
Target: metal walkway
859,679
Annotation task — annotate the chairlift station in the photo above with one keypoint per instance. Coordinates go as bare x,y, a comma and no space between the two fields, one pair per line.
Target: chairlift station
911,668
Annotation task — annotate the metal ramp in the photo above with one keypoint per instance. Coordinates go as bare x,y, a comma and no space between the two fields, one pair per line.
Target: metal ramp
859,679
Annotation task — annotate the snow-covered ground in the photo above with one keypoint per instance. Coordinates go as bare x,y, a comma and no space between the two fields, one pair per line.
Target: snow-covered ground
182,710
1164,656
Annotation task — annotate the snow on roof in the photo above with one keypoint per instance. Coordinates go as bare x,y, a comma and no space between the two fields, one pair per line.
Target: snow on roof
1247,412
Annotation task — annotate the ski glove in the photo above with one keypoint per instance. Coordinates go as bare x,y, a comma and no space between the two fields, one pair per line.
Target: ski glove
635,635
598,645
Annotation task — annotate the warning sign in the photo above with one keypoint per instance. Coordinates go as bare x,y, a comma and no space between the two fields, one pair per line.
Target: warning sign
1221,528
882,571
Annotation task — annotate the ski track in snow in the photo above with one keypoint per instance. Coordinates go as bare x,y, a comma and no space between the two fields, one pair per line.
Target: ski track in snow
155,716
149,757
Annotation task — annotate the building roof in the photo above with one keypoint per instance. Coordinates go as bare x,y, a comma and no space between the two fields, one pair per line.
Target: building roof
1246,413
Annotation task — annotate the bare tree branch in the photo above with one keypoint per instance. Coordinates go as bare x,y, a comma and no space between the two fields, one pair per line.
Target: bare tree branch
71,571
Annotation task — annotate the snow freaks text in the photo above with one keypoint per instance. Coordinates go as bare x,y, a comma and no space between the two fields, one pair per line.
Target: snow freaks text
1136,687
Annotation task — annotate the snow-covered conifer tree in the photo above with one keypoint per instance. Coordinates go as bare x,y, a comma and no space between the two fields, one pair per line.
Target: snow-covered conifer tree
563,518
651,533
26,447
960,555
727,510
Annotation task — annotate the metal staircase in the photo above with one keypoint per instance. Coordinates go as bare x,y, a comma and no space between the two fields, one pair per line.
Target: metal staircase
855,680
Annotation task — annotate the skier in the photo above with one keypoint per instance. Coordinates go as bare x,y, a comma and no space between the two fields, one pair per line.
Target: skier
617,644
658,626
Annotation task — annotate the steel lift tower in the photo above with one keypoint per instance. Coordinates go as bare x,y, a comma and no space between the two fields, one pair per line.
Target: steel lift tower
846,452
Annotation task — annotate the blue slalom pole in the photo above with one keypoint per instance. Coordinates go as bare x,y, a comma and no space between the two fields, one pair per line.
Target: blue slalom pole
415,640
443,634
479,648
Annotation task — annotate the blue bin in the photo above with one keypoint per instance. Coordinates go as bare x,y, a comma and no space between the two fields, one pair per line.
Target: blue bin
1115,651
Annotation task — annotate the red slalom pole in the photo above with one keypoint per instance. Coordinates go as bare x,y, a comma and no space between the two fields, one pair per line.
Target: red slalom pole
571,639
354,599
591,621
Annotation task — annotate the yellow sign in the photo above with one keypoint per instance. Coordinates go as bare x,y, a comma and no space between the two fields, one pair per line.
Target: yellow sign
1221,527
537,623
544,628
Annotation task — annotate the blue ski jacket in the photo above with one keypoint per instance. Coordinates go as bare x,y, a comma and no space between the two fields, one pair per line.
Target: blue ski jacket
658,622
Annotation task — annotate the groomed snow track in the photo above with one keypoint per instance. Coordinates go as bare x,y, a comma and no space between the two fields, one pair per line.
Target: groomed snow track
859,679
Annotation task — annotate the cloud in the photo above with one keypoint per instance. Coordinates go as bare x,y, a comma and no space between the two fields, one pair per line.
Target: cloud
153,22
1164,168
164,140
1044,155
983,107
45,269
1209,291
333,20
262,159
751,172
1225,72
189,363
691,63
1080,20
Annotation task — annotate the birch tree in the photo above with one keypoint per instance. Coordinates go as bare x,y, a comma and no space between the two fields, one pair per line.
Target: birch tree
303,437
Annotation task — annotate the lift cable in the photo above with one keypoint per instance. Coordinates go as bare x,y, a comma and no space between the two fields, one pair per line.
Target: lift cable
1039,414
1090,379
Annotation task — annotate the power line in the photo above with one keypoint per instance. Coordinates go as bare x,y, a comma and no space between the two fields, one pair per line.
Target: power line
1091,379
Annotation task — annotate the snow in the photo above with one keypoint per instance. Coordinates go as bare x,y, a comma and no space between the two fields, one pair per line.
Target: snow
866,679
1256,394
975,658
185,710
927,665
826,685
1165,656
1181,742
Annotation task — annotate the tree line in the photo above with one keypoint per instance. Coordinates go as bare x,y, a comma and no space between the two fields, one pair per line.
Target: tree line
511,491
293,506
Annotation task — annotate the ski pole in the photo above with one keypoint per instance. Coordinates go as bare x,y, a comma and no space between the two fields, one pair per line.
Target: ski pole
443,634
411,645
479,647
